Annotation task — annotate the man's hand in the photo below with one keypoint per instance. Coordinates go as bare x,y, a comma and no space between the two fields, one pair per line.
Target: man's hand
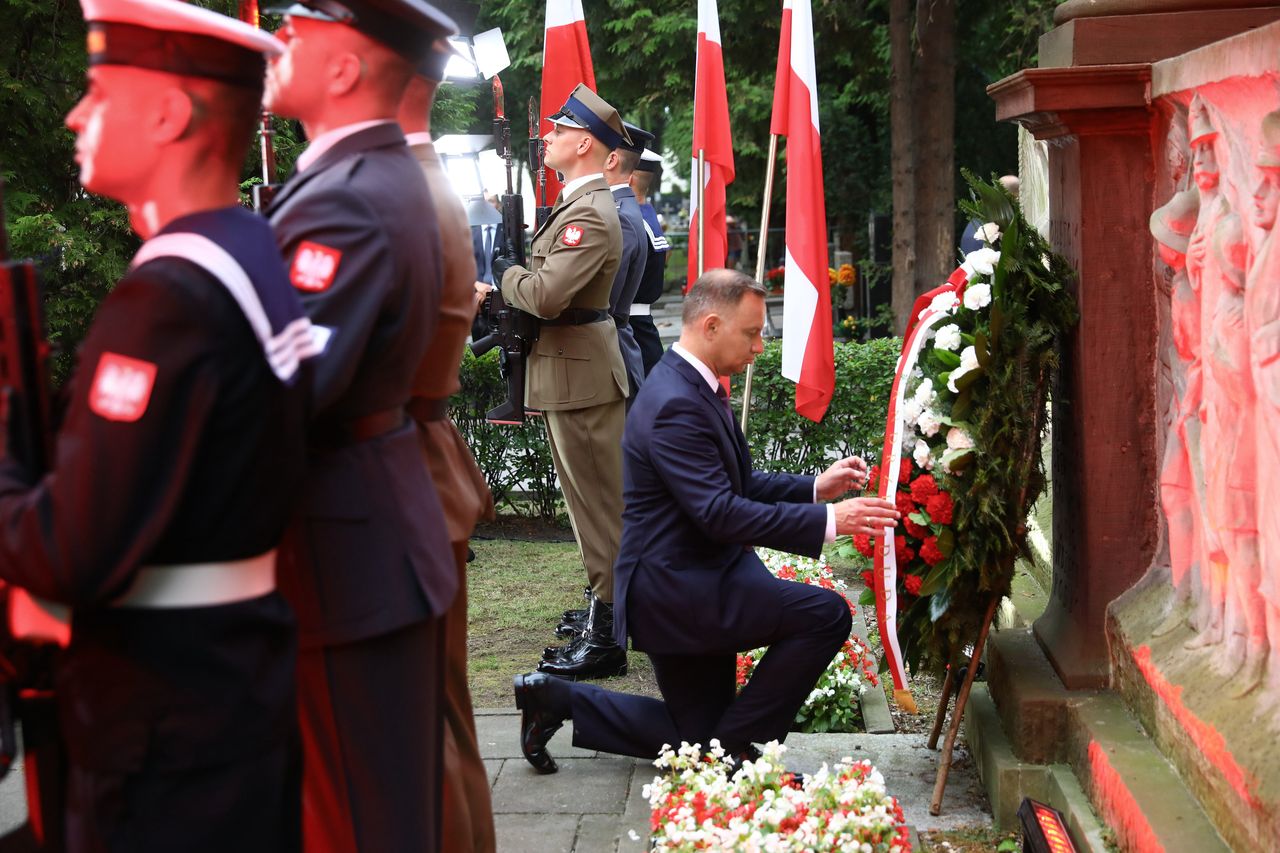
848,473
865,515
501,263
482,290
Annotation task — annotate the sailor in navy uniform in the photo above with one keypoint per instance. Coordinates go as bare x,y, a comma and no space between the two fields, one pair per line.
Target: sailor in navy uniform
645,332
178,462
368,565
617,171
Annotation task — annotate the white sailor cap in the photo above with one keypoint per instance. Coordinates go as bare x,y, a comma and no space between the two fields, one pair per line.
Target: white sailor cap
649,162
176,37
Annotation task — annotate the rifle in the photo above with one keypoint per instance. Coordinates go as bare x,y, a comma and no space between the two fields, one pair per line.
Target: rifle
26,667
264,192
537,151
514,330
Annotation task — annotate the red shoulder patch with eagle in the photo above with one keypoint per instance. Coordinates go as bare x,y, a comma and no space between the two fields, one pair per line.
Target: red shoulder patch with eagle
572,235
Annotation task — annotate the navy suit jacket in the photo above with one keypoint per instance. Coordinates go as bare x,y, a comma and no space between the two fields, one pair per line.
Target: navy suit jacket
687,580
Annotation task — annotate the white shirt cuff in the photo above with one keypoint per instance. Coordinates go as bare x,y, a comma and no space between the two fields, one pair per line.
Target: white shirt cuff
831,524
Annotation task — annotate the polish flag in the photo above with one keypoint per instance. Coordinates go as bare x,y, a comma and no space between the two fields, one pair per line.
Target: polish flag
808,358
711,135
566,62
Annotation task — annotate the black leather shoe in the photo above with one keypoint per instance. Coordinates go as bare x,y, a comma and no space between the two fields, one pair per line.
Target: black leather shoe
537,724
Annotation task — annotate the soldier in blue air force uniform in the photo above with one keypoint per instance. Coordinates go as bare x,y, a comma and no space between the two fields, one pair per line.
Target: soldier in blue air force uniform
178,461
368,564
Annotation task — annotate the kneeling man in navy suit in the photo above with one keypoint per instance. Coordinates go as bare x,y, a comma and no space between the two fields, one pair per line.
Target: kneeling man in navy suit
688,586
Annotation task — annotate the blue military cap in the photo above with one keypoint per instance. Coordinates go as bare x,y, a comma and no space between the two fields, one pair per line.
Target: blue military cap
640,139
409,27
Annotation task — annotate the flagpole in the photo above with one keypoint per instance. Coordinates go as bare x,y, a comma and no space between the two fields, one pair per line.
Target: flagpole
702,209
761,258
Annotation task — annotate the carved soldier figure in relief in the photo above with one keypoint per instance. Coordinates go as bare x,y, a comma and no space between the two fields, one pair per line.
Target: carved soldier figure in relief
1205,277
1233,488
1171,226
1262,320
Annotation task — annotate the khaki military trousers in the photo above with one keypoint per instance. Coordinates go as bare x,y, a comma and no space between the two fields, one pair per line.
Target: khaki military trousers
586,446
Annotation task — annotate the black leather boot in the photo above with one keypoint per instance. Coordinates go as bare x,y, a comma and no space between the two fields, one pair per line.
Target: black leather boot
594,654
576,619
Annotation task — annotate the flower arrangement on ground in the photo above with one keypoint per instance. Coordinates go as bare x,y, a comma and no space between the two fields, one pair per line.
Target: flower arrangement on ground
832,705
962,453
702,802
774,279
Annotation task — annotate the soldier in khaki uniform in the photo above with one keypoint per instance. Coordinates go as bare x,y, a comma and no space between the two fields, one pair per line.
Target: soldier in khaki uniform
576,375
464,495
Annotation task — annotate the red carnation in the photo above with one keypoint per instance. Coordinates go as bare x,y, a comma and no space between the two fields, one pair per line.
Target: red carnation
923,488
873,478
914,529
904,471
904,503
863,543
912,583
868,579
939,508
787,573
904,554
930,553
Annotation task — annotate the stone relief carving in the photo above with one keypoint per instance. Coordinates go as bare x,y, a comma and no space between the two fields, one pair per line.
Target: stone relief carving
1220,478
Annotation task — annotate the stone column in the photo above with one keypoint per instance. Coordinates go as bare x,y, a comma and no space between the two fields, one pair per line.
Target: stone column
1105,461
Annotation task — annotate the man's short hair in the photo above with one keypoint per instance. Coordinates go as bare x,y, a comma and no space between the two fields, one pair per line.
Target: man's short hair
717,291
643,181
627,161
230,114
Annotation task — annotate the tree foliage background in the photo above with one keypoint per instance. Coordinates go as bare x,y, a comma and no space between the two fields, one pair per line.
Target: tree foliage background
643,51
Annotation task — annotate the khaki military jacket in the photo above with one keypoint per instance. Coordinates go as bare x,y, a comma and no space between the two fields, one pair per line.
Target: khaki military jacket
574,258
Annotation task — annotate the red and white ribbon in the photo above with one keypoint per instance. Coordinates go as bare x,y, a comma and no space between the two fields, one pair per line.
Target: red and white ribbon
924,318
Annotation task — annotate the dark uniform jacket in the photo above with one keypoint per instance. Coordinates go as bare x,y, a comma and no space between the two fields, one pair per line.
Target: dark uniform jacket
180,445
369,552
650,290
694,508
627,281
575,256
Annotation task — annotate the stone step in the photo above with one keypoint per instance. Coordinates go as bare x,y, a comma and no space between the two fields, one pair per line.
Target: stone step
1078,751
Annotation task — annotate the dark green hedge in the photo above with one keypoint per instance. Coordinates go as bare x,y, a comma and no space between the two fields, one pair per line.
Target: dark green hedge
517,460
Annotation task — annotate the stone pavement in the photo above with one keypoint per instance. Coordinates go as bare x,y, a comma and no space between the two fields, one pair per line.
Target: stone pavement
595,803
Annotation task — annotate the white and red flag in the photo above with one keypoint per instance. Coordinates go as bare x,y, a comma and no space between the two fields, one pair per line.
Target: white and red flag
710,135
807,355
566,62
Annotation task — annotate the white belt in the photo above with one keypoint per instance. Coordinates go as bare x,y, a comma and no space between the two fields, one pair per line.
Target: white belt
201,584
640,310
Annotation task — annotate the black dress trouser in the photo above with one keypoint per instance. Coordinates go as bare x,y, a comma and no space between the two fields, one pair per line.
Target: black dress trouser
699,692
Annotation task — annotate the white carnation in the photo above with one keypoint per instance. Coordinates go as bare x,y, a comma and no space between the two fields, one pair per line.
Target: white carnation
982,261
924,394
921,455
948,337
989,233
977,296
929,423
911,409
968,362
958,439
944,302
